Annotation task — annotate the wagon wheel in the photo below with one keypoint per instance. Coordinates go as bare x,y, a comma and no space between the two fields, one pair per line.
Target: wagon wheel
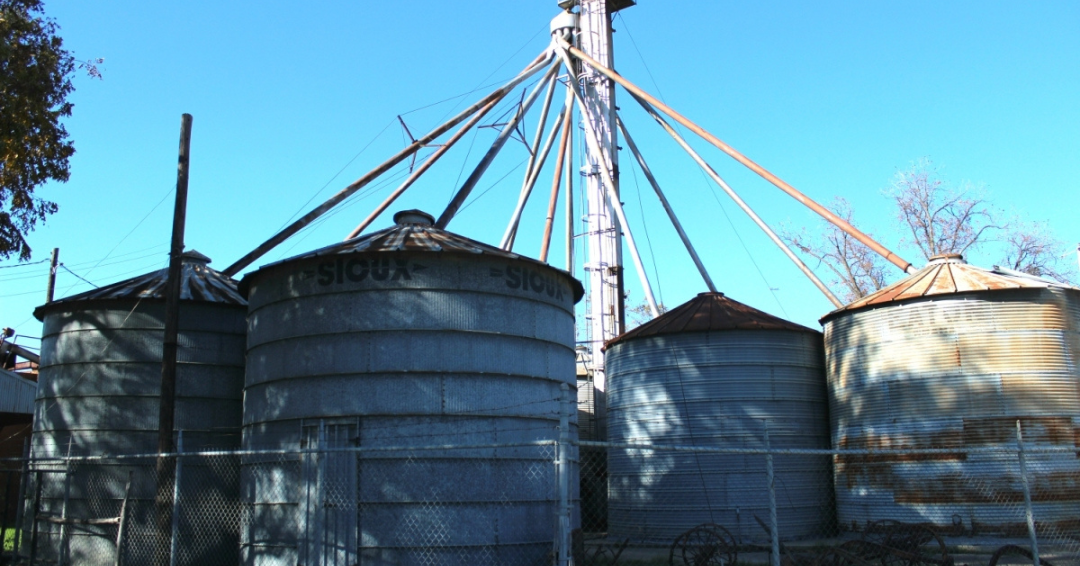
604,555
865,550
1013,550
845,555
907,544
707,544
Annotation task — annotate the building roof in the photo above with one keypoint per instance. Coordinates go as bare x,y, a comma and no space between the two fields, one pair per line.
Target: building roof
709,312
414,231
198,282
948,274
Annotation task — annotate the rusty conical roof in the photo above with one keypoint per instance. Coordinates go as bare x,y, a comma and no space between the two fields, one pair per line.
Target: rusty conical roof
948,274
709,312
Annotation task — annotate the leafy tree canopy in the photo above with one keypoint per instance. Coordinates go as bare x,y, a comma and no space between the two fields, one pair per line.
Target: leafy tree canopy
35,81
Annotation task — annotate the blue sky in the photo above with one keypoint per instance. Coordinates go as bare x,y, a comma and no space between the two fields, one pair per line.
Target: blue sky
293,101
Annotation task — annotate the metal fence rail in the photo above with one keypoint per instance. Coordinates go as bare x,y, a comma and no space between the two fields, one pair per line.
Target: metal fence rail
549,502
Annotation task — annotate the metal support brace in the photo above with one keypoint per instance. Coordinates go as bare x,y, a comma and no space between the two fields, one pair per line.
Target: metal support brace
481,168
612,196
667,206
738,201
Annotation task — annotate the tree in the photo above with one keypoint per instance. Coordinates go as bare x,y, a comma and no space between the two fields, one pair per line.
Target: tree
35,81
936,219
855,270
640,313
1031,248
940,219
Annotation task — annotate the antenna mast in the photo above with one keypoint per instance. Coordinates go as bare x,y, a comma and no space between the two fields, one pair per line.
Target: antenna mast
606,306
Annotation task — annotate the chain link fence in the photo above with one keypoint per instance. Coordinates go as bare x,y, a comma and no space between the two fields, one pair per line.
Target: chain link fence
486,505
582,503
709,505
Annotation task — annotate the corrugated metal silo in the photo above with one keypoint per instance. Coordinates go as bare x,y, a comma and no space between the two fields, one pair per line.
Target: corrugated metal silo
98,394
710,373
952,357
410,336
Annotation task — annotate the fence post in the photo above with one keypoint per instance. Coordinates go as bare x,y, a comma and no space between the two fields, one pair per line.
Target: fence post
20,530
7,503
61,549
175,538
1027,494
563,473
122,522
774,531
34,517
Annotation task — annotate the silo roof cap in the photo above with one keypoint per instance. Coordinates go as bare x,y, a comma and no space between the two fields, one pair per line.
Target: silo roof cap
414,231
949,274
413,216
198,282
709,312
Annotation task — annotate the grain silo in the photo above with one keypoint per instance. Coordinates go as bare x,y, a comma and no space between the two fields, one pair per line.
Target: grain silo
98,394
951,358
711,373
409,336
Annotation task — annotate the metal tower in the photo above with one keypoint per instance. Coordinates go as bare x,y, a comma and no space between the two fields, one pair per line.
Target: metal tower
605,307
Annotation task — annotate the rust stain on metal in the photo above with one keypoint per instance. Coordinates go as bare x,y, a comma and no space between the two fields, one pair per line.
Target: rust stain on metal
960,488
1002,431
945,275
877,469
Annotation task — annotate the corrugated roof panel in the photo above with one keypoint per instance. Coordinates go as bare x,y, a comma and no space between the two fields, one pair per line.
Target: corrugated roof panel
414,232
945,275
708,312
198,282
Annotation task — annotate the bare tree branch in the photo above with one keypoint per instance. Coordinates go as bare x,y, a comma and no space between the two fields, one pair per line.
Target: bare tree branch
1032,249
856,270
939,218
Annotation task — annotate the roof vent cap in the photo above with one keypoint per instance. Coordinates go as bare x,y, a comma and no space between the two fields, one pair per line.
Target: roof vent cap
947,258
414,217
192,256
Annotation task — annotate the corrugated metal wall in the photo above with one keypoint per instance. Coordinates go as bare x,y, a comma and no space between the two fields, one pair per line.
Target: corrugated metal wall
98,393
716,389
16,393
956,372
455,349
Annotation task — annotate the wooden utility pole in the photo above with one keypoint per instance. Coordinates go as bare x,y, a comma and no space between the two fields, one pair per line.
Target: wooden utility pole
167,410
167,406
52,275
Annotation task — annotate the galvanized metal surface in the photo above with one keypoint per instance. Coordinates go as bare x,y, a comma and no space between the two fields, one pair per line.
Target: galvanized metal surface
407,347
956,370
98,393
198,282
586,409
716,389
16,393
